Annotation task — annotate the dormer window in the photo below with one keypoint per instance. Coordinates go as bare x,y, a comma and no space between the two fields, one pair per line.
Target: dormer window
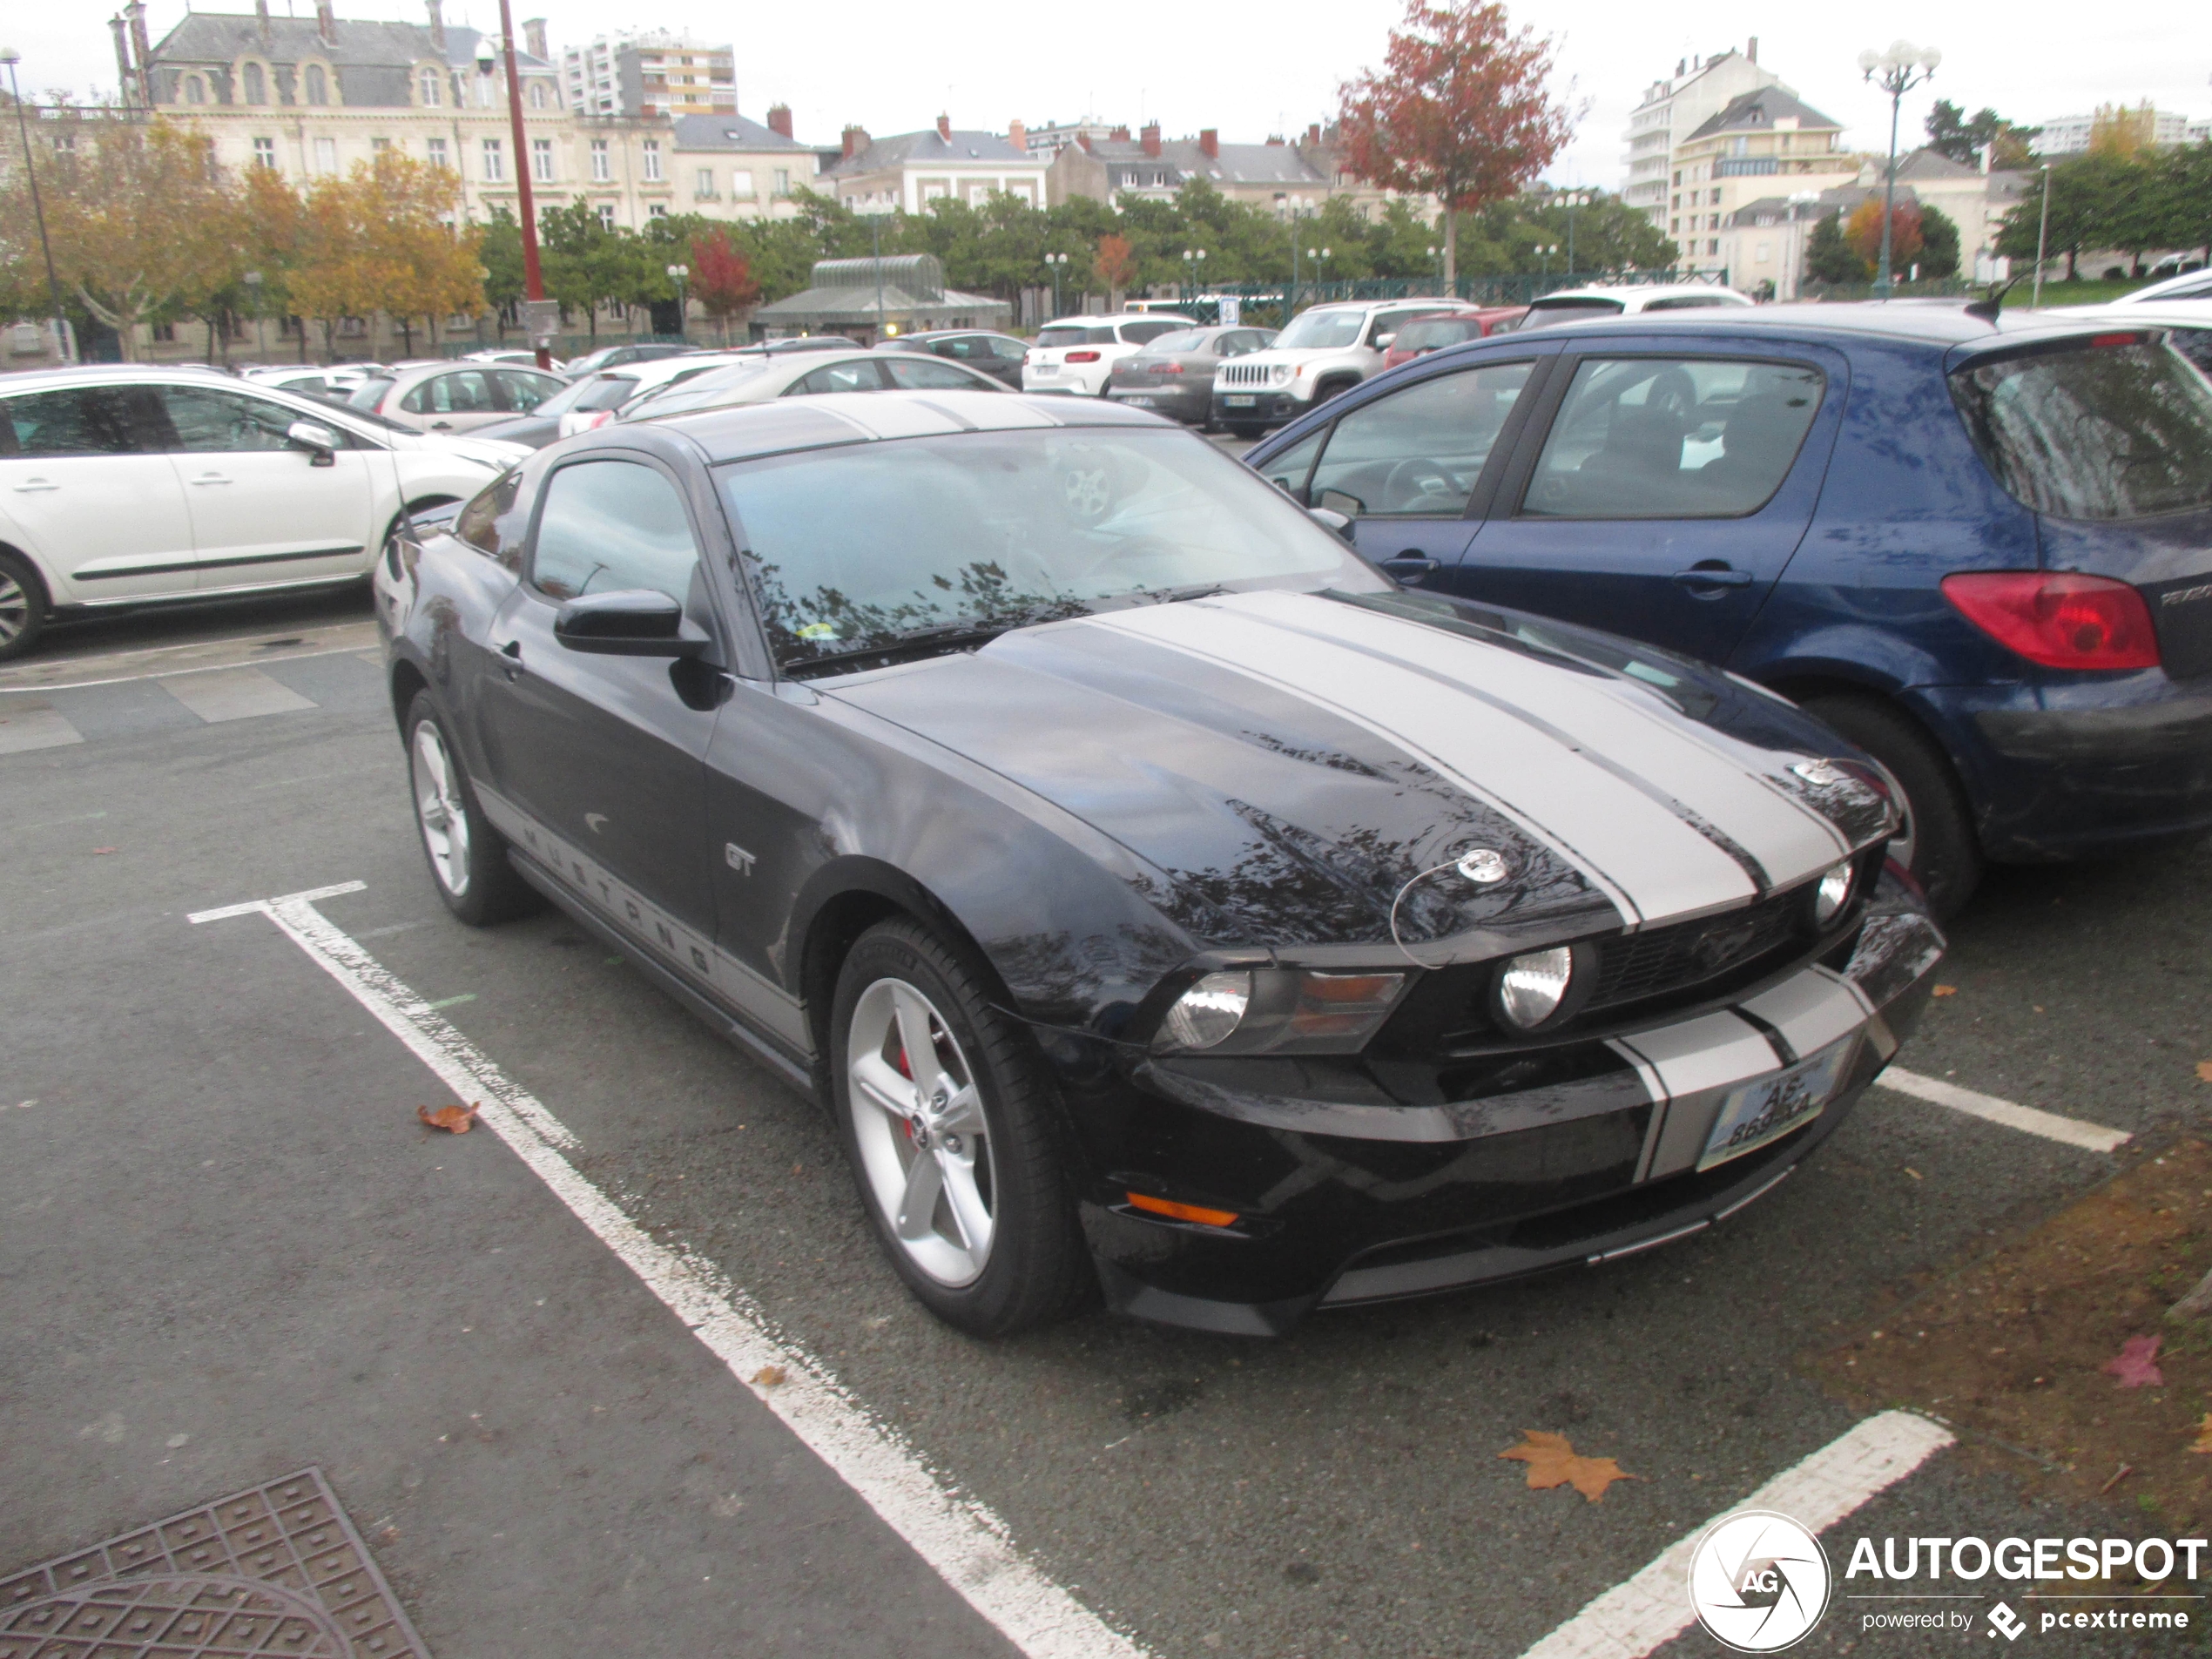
538,95
253,84
317,83
427,83
195,90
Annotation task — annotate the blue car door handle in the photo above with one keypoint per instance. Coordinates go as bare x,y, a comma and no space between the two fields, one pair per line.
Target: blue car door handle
1715,575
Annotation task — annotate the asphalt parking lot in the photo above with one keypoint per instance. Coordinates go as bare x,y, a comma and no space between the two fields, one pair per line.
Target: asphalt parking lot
234,1252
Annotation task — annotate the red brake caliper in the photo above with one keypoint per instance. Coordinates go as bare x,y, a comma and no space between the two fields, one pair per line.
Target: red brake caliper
906,1071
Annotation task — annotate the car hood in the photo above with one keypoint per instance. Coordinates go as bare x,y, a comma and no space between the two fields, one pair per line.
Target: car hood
1305,769
476,446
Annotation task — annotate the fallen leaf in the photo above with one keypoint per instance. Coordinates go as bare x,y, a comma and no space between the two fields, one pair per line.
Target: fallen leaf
2136,1365
98,850
1946,991
768,1376
454,1120
1552,1461
2204,1436
2204,1071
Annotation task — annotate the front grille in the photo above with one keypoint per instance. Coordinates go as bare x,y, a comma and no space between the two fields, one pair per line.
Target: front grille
1689,954
1242,374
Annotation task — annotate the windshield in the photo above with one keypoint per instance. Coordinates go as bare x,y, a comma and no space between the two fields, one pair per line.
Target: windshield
1424,336
1546,313
369,394
593,391
856,549
1075,336
1320,331
714,389
2117,428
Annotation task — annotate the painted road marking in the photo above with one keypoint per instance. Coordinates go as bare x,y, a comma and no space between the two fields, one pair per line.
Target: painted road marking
217,694
1631,1619
192,655
964,1542
2091,1138
25,726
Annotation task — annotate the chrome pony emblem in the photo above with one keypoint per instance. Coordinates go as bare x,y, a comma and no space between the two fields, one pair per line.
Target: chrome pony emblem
1484,867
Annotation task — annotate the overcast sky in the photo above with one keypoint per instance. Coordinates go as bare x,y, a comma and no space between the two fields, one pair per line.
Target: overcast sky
892,66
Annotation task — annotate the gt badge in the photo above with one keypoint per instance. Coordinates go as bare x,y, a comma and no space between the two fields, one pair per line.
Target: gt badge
737,858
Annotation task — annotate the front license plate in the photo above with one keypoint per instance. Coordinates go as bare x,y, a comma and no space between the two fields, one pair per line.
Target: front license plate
1140,403
1240,400
1752,1116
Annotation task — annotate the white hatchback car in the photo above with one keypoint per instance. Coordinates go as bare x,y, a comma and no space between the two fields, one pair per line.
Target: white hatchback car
1574,305
1077,354
129,485
1327,349
455,396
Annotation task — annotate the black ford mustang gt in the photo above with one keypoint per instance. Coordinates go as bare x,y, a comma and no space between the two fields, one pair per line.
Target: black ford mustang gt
1159,897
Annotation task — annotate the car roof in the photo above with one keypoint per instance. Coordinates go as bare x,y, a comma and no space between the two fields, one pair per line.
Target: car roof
745,431
1643,291
1934,325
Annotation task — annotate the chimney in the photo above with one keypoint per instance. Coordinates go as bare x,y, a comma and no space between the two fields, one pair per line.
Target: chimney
1752,51
437,26
1313,136
534,40
945,128
326,21
856,139
1151,134
124,73
141,49
1209,143
779,118
1120,132
1275,138
1018,136
261,21
1083,138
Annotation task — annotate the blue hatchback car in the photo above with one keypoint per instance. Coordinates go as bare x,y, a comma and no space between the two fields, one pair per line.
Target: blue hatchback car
1979,548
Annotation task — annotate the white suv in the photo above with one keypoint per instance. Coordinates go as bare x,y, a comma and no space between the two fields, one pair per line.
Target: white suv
1077,354
1325,350
130,486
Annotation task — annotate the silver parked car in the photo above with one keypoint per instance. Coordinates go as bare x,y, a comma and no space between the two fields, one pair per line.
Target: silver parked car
455,397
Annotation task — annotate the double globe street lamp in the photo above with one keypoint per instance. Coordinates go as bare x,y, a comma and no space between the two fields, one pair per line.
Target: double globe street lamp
1056,263
1897,71
678,274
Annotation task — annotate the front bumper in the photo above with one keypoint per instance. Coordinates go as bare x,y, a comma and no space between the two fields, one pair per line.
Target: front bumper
1268,408
1187,403
1346,1195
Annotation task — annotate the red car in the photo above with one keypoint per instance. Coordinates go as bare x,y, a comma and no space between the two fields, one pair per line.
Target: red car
1439,328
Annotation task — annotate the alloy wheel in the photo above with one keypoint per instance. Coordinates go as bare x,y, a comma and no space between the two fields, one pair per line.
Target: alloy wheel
438,808
15,609
918,1121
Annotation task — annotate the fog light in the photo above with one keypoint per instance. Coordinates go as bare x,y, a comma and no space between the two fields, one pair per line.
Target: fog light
1834,893
1532,987
1209,1011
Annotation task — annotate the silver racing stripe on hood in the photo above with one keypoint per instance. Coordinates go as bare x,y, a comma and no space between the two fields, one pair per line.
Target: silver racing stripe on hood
1579,777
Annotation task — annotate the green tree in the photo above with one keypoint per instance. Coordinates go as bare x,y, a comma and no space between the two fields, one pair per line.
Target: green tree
1951,133
1939,243
1830,258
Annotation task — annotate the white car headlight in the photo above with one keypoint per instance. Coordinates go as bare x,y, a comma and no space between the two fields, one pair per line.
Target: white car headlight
1209,1011
1531,987
1280,1010
1834,893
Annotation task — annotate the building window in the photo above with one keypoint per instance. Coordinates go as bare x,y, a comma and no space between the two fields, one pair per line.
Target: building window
707,181
538,95
600,171
255,83
379,146
265,153
427,86
495,162
606,216
437,151
165,333
741,185
65,144
1713,246
326,155
783,181
1763,252
1716,198
318,84
1159,179
656,210
195,90
484,92
653,161
542,160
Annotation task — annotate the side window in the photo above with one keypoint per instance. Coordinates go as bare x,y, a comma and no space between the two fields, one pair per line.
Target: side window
488,523
524,392
1389,322
1417,452
83,421
209,421
1288,471
919,375
839,377
1672,438
465,392
1140,333
610,526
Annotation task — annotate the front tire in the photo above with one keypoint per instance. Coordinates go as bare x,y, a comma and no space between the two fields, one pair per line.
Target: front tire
1938,843
945,1116
24,610
468,857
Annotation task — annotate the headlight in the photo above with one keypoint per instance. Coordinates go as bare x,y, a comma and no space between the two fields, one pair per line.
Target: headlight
1531,987
1280,374
1834,893
1274,1010
1209,1011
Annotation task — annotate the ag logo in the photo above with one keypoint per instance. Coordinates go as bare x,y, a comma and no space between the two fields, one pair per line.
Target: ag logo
1758,1582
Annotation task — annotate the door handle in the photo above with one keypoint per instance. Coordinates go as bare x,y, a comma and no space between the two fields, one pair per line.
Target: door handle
1411,566
32,486
1713,575
440,426
211,478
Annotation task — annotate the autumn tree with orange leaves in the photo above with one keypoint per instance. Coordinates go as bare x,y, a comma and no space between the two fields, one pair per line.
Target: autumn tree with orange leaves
1115,266
1462,110
722,279
1864,232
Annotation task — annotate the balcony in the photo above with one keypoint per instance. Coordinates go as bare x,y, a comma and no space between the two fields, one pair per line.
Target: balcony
1750,167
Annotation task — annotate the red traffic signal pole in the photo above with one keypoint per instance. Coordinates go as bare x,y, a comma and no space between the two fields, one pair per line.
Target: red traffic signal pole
533,278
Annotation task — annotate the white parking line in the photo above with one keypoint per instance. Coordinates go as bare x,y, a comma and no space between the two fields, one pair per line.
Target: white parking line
965,1543
216,694
2091,1138
1631,1619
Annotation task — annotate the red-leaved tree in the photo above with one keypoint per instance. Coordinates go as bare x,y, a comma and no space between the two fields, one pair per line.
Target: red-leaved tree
1115,266
1462,111
1864,232
722,279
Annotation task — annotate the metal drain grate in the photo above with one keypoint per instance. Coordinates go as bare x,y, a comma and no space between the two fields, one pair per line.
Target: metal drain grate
298,1579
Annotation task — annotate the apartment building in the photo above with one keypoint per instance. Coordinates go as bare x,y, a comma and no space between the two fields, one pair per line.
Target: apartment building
911,170
1763,144
649,75
1673,109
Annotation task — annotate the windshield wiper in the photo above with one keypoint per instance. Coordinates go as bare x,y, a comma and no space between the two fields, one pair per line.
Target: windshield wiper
952,636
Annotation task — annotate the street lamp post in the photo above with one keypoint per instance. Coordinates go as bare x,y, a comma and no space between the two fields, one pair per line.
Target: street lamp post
678,274
2042,237
1897,71
533,277
1545,252
1194,264
10,56
1573,199
1056,263
1437,253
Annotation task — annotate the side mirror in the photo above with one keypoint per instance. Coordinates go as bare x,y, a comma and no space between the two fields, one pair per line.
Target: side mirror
1331,520
320,441
1382,342
1341,503
636,622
